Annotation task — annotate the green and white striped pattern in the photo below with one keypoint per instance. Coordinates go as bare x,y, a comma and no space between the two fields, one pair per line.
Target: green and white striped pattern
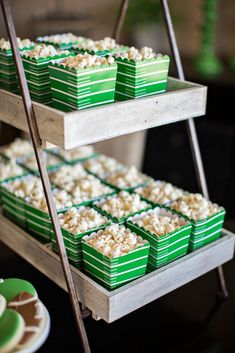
73,244
164,248
38,223
206,231
8,75
112,273
38,80
84,88
140,79
13,207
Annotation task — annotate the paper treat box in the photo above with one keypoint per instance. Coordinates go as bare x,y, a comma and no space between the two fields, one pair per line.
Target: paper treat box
63,45
73,243
113,273
205,231
13,207
163,248
37,75
121,220
8,75
74,89
141,78
25,163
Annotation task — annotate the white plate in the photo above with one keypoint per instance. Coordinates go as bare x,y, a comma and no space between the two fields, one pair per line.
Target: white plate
42,338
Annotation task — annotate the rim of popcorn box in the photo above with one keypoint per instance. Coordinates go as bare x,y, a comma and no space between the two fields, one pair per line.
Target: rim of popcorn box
8,52
114,218
42,60
77,71
55,152
162,211
161,58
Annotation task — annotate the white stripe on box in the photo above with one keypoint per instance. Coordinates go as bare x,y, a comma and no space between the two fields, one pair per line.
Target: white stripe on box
83,107
85,95
169,253
36,74
39,233
10,195
112,284
9,209
34,215
11,64
207,228
83,73
39,84
202,239
38,225
199,223
39,94
144,64
144,95
115,274
144,85
37,63
175,242
118,265
83,84
143,75
12,204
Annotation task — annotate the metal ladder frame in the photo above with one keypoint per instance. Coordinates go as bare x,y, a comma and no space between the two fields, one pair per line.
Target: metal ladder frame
80,312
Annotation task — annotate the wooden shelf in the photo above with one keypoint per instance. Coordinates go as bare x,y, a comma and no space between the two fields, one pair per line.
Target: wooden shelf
110,306
182,100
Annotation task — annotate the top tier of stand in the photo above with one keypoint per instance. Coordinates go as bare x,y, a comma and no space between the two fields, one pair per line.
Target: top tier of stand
182,100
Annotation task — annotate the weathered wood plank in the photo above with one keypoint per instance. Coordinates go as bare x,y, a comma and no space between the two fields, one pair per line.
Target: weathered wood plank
183,100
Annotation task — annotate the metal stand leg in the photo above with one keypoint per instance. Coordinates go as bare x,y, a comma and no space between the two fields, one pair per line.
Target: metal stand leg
120,19
223,294
37,145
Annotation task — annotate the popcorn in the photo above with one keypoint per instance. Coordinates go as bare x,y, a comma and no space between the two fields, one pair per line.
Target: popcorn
83,61
158,222
18,148
127,178
195,207
61,198
88,188
22,43
61,38
9,169
80,220
29,186
76,153
122,205
65,176
99,45
43,51
138,55
160,192
102,166
31,162
115,241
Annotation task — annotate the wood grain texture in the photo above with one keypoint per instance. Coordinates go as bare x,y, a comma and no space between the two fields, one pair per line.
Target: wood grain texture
111,305
182,101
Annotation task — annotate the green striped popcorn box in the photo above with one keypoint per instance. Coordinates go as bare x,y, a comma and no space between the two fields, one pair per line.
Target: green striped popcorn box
73,243
21,174
37,75
207,218
8,75
74,89
205,231
13,206
114,272
163,248
98,206
141,78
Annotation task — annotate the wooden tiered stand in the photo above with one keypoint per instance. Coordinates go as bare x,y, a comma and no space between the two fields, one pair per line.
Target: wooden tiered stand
182,101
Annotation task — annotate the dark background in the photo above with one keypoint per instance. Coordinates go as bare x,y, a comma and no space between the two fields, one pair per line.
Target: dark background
179,321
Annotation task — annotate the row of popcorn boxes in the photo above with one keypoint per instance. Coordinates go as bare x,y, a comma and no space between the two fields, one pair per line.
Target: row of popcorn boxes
163,249
72,89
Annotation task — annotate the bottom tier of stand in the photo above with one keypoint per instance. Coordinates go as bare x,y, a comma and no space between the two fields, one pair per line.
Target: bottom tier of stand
112,305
